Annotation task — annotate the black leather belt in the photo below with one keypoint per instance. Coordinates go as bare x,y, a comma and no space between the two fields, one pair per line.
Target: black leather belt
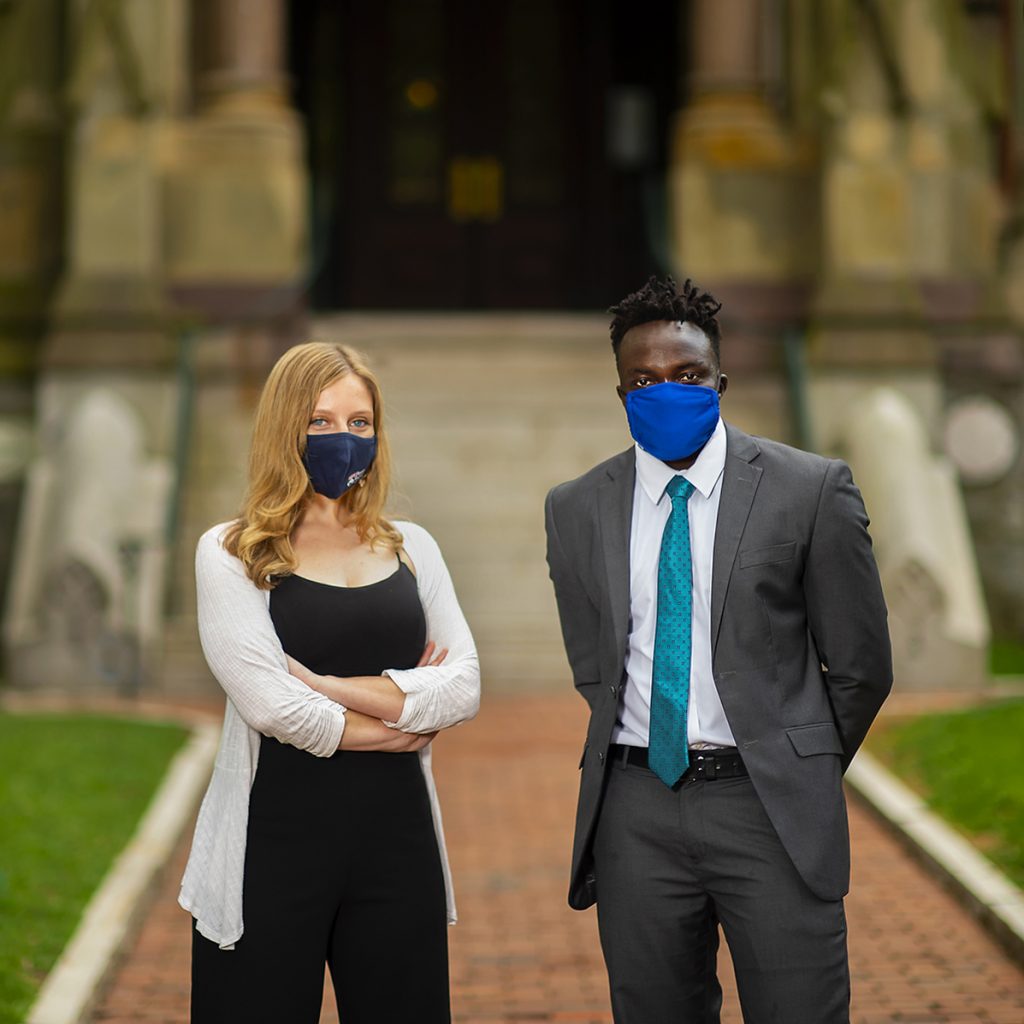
722,763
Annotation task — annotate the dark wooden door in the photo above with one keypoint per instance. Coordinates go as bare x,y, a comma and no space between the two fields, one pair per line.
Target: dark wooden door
458,169
460,154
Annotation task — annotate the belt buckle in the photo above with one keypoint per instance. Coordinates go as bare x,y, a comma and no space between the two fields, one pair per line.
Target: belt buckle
704,766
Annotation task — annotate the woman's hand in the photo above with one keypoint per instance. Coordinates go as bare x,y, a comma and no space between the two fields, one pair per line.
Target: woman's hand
365,733
428,657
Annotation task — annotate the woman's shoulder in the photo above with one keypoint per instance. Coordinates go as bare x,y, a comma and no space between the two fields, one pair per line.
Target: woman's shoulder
210,548
413,533
417,541
214,536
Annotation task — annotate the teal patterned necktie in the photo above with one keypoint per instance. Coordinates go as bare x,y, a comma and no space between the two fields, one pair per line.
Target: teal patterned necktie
670,682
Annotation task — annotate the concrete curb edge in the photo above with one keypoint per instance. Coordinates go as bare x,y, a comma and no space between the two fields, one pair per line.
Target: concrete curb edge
972,878
73,985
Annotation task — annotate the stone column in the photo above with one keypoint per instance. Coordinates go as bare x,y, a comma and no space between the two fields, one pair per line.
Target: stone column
240,55
725,57
909,213
236,241
738,177
867,326
741,184
84,603
124,92
236,250
908,244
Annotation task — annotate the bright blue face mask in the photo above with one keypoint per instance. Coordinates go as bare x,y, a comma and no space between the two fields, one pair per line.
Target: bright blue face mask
672,421
337,462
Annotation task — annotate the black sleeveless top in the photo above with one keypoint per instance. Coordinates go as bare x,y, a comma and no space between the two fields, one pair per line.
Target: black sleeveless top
350,631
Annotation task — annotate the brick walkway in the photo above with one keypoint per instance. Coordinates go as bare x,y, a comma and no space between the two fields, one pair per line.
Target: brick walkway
507,785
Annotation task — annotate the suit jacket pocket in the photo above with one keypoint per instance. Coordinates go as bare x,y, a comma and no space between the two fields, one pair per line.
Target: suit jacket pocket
820,738
765,556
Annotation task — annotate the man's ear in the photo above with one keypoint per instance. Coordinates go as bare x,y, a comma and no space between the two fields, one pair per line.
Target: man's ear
723,383
621,394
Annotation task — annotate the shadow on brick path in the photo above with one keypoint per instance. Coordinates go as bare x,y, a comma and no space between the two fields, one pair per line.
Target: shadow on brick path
507,784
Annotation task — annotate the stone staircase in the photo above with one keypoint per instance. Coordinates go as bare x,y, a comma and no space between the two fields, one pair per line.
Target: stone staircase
485,413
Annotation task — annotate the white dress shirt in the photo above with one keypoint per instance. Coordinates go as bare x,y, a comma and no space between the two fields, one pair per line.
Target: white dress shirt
706,723
244,653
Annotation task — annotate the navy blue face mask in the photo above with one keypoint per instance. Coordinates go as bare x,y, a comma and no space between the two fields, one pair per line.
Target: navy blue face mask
672,421
337,462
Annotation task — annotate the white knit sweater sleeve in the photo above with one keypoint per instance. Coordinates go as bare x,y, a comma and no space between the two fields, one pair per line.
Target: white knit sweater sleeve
245,655
437,696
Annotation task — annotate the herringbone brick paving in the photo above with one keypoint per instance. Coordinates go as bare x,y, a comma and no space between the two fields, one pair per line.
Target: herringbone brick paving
507,784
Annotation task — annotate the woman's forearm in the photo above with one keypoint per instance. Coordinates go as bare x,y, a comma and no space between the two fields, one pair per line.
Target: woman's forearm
376,696
363,732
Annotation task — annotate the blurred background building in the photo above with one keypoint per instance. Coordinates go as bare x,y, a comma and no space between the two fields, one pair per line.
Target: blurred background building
187,187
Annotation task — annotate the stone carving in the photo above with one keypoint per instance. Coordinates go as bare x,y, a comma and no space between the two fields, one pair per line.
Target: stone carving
938,620
85,603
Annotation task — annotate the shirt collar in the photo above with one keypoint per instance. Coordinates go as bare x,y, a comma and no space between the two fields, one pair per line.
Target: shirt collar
654,475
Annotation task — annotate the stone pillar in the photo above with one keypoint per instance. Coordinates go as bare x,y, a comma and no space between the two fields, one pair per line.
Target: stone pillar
867,324
125,93
236,241
240,55
742,209
108,402
236,250
909,219
742,192
725,57
909,212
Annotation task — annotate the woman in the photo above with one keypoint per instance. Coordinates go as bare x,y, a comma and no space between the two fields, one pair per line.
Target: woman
339,641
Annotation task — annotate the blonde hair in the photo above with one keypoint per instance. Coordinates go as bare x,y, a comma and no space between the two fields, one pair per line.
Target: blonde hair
279,487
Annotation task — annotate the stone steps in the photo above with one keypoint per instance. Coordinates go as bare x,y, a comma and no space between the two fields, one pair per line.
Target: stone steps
485,414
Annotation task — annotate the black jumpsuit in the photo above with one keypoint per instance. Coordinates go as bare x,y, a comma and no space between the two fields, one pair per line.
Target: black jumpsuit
342,863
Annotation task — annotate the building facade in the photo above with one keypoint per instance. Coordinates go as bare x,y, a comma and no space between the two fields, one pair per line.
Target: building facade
461,189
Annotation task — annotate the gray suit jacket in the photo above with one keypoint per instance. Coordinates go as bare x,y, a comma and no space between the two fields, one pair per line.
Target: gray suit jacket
800,644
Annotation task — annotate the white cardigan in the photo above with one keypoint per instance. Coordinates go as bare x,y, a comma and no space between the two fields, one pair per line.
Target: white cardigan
245,654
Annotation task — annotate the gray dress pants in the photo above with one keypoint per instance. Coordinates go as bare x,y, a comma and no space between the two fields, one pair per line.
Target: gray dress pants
670,865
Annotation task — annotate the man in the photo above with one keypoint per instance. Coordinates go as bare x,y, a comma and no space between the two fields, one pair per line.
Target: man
723,618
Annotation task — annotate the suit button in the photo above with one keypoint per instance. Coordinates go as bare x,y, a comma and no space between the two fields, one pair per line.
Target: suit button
613,690
600,756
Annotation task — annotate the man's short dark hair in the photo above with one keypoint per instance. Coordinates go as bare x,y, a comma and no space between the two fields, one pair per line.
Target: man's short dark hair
659,300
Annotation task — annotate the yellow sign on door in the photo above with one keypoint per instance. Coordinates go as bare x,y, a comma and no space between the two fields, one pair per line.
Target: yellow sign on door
476,189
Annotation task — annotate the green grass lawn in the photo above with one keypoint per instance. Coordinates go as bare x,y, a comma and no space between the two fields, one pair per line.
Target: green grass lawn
968,766
1006,658
72,790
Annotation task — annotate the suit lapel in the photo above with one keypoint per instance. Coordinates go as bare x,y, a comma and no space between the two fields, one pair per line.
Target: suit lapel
615,515
739,484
